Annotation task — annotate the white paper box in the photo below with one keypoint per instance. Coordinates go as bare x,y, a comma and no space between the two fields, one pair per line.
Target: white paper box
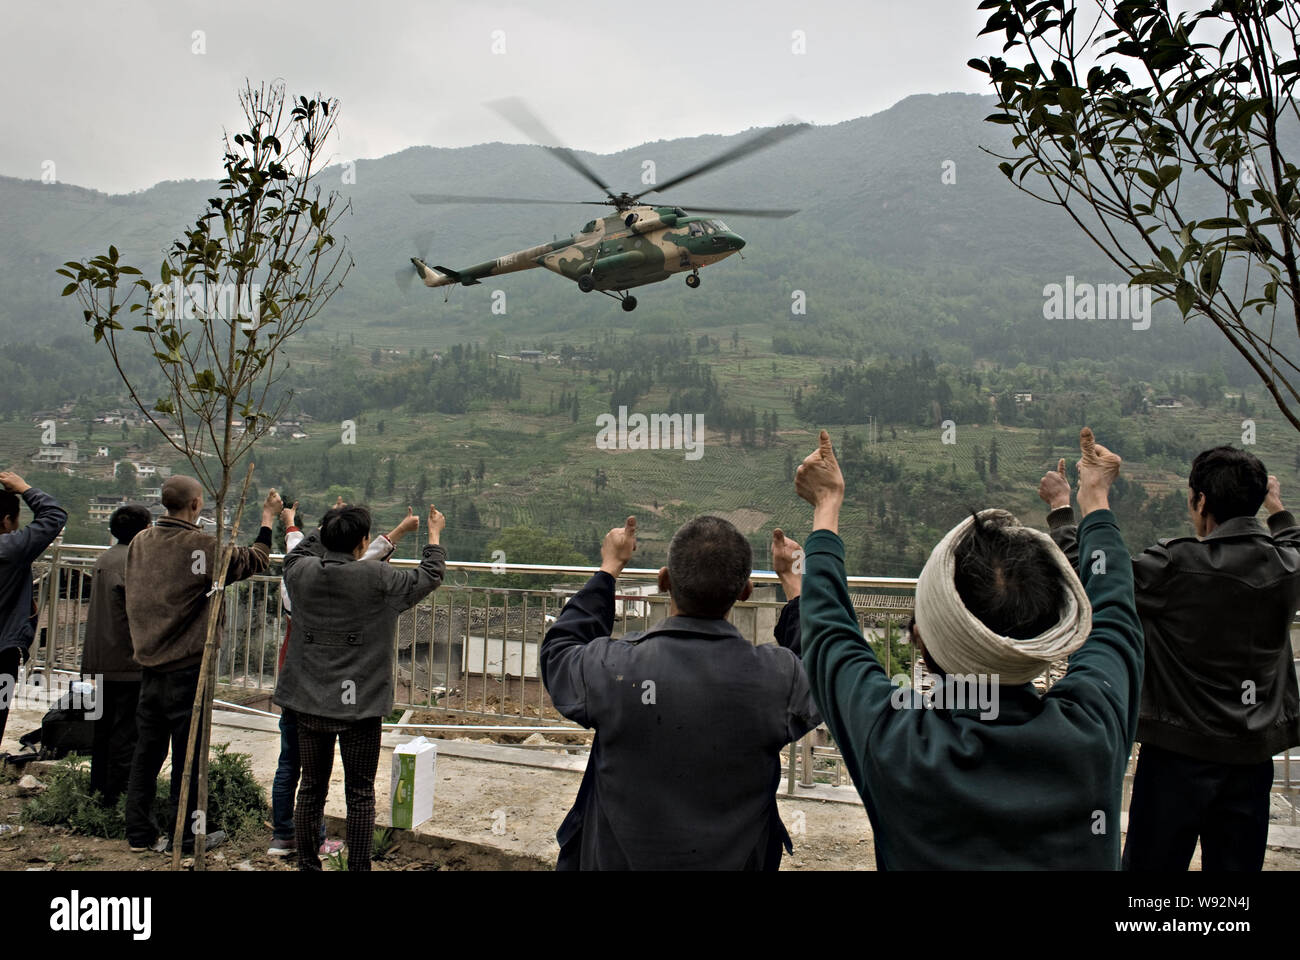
414,765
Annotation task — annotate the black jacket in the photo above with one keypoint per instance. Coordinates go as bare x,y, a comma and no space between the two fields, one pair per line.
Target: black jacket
690,719
107,651
1220,684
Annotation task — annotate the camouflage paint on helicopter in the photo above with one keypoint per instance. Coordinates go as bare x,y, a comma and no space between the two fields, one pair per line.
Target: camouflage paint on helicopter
641,245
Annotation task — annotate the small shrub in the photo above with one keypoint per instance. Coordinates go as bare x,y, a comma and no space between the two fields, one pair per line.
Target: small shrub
385,838
236,801
67,799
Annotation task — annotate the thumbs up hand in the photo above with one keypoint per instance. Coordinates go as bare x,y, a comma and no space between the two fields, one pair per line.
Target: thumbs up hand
1054,488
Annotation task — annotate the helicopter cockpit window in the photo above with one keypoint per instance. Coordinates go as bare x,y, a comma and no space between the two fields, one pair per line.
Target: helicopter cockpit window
720,225
696,229
591,225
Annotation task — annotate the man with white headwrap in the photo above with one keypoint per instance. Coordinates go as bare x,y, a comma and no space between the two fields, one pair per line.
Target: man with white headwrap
1035,782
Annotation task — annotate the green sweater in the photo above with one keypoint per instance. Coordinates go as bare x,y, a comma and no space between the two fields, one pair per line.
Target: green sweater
1037,786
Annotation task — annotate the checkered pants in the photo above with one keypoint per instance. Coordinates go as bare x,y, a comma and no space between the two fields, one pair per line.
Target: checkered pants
359,745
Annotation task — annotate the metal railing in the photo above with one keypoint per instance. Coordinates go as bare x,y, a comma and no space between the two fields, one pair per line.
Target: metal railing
471,649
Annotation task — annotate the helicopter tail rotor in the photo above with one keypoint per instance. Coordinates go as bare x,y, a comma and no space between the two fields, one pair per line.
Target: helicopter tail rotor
404,275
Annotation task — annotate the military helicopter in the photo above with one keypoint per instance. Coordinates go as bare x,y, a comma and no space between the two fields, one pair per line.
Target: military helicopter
640,243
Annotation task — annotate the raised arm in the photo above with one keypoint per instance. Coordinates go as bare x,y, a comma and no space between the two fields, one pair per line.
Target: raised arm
1054,490
28,543
588,616
406,588
384,546
788,563
848,683
248,561
1105,674
1281,523
1149,568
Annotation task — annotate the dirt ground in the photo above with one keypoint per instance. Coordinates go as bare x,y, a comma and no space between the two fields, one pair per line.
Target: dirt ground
488,815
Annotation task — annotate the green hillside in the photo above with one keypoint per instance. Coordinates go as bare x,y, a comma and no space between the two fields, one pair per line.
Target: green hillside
924,304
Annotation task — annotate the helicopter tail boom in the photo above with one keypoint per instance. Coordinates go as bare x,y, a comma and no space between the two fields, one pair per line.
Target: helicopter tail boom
440,276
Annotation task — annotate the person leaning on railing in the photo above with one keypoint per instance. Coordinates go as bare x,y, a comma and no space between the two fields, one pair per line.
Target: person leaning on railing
338,673
1020,780
19,546
289,767
1219,697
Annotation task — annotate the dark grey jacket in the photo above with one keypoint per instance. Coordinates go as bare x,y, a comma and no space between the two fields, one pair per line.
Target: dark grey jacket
108,651
690,719
1219,683
17,551
340,660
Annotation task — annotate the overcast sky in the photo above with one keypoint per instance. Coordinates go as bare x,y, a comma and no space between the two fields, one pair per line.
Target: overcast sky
115,94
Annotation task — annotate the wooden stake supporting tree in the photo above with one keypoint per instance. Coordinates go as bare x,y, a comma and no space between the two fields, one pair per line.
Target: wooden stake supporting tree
260,262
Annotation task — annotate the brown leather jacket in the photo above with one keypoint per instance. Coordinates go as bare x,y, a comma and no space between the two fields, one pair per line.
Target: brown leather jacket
169,571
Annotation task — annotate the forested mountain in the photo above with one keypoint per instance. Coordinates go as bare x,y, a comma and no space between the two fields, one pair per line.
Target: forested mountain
890,253
923,271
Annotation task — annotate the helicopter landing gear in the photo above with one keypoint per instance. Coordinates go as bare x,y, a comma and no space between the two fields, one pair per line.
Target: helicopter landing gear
693,280
586,284
628,301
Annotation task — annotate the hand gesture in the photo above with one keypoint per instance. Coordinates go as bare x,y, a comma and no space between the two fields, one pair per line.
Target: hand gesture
1054,488
436,522
618,547
787,561
1098,468
818,479
271,508
13,482
787,556
1272,499
409,524
288,515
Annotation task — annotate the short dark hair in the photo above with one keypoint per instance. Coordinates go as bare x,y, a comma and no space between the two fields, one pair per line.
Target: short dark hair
9,504
128,520
1234,482
1008,578
709,563
343,528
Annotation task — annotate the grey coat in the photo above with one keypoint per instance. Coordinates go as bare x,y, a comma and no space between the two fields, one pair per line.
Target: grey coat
340,659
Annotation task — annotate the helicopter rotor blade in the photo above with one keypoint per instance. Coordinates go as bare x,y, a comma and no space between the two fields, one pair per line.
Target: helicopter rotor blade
517,113
456,198
740,211
760,141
